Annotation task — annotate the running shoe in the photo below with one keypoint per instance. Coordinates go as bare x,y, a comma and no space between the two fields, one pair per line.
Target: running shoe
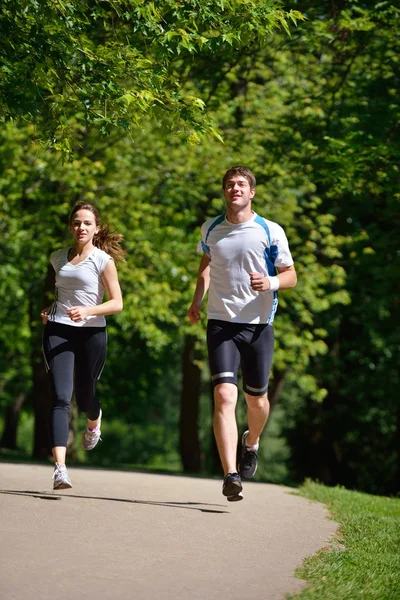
248,461
91,437
61,480
232,487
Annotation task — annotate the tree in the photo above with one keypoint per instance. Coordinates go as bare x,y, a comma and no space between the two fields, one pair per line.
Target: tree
315,116
70,67
350,115
112,64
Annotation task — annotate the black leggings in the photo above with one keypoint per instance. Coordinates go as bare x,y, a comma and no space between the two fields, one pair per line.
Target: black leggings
75,358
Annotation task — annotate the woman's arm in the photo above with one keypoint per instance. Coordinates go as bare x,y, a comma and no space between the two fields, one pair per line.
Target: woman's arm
50,286
113,305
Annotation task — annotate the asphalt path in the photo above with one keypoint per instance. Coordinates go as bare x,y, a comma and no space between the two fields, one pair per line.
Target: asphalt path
127,535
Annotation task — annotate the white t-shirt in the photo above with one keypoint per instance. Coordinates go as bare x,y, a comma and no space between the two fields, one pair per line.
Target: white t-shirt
257,246
78,285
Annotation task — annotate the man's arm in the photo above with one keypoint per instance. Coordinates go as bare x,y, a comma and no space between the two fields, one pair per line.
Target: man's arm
203,282
286,279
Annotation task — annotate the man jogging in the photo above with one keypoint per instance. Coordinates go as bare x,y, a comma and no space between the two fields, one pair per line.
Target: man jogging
246,260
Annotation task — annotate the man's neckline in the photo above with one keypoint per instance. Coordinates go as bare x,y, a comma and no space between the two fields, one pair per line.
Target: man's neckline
253,216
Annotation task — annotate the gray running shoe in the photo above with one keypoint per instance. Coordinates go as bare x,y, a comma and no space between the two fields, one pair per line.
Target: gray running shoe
61,480
90,438
232,487
248,461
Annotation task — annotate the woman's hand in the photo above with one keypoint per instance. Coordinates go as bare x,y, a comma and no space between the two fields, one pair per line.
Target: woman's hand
78,313
45,314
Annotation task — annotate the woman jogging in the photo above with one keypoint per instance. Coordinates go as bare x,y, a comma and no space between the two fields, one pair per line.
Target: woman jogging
75,338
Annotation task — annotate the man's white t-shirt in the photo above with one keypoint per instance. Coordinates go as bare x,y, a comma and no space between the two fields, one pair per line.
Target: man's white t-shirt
256,246
78,285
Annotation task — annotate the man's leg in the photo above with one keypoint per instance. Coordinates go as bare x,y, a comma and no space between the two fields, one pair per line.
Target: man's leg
224,360
226,435
225,427
256,354
257,417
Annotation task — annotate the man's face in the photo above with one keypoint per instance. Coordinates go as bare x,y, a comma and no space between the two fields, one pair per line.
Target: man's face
238,193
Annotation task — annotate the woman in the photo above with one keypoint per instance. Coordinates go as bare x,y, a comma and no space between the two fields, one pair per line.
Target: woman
75,338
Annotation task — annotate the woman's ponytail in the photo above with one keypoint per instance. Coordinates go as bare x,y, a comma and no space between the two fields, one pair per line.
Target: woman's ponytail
105,239
109,241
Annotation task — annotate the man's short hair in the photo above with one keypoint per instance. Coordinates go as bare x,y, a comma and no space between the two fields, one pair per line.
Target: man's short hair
244,172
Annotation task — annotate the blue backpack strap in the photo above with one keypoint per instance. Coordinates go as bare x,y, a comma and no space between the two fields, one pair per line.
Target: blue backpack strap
271,251
217,221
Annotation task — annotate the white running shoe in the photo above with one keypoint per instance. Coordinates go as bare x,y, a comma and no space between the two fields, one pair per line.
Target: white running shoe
61,480
91,437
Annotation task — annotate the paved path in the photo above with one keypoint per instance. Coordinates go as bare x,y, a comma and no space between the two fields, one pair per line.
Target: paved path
125,535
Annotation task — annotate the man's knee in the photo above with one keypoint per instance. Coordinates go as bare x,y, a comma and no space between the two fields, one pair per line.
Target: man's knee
257,402
225,396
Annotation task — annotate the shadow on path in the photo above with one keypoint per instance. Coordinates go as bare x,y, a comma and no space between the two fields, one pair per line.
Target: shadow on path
54,496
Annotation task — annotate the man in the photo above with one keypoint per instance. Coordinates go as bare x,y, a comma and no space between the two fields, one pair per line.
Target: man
246,260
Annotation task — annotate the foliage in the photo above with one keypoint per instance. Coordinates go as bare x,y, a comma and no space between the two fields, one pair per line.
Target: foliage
112,63
351,115
316,117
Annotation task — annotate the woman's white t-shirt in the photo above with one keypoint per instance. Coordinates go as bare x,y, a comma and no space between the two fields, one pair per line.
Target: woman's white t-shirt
78,285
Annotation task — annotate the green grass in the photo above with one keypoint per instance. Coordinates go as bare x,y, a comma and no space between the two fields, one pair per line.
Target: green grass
363,562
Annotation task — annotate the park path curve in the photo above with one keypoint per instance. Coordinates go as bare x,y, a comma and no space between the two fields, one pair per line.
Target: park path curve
125,535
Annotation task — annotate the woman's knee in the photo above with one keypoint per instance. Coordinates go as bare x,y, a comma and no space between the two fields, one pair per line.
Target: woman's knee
62,400
86,396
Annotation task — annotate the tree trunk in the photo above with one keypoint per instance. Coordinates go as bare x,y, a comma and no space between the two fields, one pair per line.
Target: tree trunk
73,429
276,387
189,417
397,481
40,388
42,407
9,437
214,466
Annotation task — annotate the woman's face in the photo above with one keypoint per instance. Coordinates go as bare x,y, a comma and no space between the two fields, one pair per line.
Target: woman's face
83,226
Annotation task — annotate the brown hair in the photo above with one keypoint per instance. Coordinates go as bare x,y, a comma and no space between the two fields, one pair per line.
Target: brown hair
243,171
105,239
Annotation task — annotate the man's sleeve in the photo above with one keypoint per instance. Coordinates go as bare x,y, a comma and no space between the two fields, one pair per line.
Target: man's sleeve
202,246
284,257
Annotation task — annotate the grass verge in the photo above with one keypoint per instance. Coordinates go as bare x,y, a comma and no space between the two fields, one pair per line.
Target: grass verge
363,562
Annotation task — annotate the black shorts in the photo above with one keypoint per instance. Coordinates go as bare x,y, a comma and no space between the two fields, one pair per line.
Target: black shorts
231,345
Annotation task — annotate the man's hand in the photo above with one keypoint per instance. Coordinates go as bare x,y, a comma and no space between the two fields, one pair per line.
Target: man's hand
258,282
78,313
194,314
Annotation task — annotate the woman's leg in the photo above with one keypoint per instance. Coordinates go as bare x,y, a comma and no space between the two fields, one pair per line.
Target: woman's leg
90,360
59,356
59,359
